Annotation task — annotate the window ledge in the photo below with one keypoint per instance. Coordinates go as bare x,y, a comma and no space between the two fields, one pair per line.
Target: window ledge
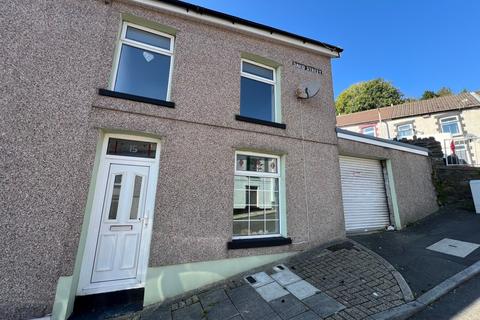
262,122
258,242
132,97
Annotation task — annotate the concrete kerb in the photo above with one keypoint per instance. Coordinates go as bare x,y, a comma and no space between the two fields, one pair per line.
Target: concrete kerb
404,287
407,310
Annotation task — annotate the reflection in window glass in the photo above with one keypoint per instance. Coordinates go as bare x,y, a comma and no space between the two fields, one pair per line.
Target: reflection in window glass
257,99
450,125
257,70
143,73
256,206
256,164
405,131
131,148
117,185
137,187
148,38
369,131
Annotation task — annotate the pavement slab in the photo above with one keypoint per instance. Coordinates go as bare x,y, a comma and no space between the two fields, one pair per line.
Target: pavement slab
309,315
271,291
343,282
221,310
212,297
192,312
288,306
302,289
323,305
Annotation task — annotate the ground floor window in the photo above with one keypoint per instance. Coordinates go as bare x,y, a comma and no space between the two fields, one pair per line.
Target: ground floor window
256,210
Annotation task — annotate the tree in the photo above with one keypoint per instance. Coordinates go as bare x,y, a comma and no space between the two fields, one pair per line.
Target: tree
443,91
368,95
427,94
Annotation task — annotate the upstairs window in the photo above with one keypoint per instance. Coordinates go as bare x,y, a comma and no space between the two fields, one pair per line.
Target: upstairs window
450,125
257,91
405,131
369,131
144,63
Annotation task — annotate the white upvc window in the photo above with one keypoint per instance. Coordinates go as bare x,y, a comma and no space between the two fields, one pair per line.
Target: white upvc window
258,91
369,131
405,131
143,65
256,209
451,125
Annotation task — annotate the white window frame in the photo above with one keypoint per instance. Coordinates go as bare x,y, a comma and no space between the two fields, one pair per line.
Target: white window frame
370,127
410,127
464,144
276,116
445,120
265,175
124,40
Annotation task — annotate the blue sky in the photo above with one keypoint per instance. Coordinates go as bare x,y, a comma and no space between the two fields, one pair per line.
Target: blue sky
415,44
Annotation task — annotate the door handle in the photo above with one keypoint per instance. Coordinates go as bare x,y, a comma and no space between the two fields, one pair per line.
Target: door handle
145,218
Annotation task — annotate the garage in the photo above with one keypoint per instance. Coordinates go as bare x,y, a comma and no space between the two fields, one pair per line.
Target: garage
363,193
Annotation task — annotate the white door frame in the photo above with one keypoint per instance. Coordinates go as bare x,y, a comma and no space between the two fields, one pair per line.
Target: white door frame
85,286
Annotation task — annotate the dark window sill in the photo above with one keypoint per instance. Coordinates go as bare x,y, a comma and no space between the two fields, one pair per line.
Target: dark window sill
132,97
258,242
262,122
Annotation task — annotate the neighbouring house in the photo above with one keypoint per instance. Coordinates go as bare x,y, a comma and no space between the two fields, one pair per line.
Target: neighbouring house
453,120
156,147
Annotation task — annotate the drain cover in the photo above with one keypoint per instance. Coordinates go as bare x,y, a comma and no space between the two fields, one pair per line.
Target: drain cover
454,247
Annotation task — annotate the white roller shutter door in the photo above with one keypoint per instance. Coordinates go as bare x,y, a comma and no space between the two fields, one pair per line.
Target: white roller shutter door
363,192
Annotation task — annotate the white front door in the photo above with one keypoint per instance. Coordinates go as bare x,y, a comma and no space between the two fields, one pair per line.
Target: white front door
119,237
117,244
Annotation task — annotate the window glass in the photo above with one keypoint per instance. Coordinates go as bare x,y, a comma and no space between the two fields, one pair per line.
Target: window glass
450,125
461,152
257,70
369,131
148,38
117,185
142,72
131,148
256,196
256,164
137,187
257,99
405,131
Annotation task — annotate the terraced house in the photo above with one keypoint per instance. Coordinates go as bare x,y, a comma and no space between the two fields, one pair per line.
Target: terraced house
453,120
156,147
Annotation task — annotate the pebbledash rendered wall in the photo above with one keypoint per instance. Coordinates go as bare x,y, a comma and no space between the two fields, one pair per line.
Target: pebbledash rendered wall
412,177
55,57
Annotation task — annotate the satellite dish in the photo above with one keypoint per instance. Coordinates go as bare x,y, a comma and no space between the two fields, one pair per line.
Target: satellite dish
307,90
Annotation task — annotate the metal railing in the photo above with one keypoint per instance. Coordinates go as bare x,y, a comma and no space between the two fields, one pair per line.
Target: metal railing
462,151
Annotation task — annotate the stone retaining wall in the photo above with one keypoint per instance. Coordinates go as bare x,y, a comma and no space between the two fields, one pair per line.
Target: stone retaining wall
452,183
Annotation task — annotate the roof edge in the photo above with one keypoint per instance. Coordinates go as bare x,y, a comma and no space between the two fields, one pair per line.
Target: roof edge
476,96
349,135
226,20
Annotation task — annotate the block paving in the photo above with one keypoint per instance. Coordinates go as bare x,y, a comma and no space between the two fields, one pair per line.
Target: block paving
347,273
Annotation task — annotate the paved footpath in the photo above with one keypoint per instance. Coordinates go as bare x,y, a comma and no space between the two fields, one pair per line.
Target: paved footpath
352,283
